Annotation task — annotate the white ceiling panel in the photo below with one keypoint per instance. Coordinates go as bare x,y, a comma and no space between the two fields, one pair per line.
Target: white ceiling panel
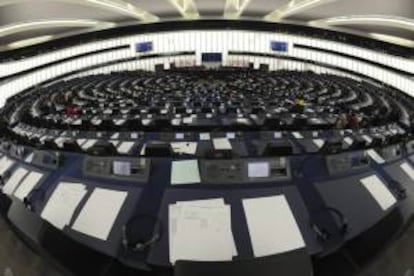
13,11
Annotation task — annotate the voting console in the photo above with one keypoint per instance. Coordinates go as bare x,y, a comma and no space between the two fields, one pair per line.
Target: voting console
91,199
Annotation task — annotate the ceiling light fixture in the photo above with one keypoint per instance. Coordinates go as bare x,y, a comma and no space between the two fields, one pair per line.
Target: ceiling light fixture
234,8
29,41
393,39
187,8
123,7
40,24
294,7
376,20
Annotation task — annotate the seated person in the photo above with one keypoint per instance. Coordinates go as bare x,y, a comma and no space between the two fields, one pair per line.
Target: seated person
353,120
341,121
299,104
72,110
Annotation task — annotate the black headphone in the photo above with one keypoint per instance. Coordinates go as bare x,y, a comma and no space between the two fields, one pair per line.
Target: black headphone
28,202
140,244
399,189
322,233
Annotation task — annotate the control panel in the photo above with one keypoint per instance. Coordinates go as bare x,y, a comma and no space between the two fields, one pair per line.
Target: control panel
244,171
47,159
346,161
391,152
117,168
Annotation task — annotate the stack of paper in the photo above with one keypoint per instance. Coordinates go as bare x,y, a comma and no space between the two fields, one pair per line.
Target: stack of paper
98,216
27,185
185,172
221,144
272,226
184,147
14,181
5,164
62,203
201,230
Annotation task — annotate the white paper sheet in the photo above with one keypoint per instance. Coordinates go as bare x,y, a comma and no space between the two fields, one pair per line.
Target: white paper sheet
99,213
125,147
379,191
375,156
367,138
27,185
115,142
89,143
297,135
221,144
272,226
408,170
184,147
348,140
61,205
185,172
14,180
5,164
115,135
29,158
318,143
258,169
200,233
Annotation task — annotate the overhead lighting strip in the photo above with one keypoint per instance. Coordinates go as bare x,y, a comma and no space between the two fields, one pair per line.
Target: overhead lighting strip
29,41
377,20
118,6
294,7
187,8
234,8
40,24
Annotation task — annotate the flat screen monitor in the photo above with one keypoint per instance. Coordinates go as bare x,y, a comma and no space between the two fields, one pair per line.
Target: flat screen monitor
211,57
279,46
121,168
144,46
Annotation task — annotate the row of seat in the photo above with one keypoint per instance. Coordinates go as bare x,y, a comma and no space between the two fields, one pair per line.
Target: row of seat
228,99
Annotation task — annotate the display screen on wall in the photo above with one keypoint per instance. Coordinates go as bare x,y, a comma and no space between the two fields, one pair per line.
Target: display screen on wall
211,57
143,46
279,46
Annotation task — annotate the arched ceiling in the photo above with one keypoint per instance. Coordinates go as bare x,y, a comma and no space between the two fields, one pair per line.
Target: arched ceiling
24,22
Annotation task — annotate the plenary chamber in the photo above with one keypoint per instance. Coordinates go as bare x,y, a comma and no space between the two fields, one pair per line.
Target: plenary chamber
208,147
